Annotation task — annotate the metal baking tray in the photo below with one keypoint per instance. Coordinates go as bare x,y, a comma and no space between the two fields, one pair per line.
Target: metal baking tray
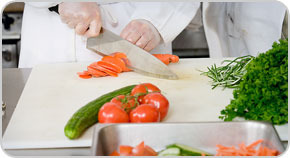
200,135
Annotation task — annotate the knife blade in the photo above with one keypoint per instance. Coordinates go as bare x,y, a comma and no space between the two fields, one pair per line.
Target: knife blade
140,60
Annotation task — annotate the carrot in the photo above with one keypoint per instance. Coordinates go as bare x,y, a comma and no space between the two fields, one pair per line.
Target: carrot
110,66
84,75
163,57
116,61
96,72
95,65
119,55
167,58
107,71
254,144
246,150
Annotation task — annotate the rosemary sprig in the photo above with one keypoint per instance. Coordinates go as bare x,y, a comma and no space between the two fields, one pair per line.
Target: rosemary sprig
230,75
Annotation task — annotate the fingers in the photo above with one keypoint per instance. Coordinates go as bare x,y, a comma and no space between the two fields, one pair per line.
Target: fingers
81,28
84,17
133,37
125,33
141,33
94,29
151,45
143,41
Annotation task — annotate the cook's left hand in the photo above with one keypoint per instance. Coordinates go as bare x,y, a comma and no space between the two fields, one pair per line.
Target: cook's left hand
141,33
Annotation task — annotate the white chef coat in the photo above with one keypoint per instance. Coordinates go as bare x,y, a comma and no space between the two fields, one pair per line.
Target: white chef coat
242,28
45,39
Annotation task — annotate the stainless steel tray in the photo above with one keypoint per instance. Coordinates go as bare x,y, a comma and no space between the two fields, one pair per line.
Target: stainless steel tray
200,135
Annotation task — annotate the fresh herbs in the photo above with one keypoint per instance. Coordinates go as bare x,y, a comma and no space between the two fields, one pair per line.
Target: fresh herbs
230,75
263,91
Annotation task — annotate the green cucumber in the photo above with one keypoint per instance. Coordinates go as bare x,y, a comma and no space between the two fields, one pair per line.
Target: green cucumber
188,151
87,115
170,152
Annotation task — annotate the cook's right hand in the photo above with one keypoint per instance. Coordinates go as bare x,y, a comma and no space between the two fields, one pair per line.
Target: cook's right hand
84,17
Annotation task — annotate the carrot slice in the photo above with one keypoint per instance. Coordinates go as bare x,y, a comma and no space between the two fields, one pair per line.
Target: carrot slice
114,153
110,66
125,150
119,55
107,71
95,72
84,75
116,61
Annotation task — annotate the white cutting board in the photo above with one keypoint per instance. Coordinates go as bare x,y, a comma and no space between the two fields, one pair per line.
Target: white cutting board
54,92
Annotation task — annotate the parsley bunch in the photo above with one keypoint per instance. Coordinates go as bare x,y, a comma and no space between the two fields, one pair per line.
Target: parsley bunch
263,92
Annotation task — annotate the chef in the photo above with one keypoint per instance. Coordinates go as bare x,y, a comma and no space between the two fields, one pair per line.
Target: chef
235,29
60,36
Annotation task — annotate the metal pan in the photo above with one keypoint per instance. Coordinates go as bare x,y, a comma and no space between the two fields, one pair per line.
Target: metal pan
200,135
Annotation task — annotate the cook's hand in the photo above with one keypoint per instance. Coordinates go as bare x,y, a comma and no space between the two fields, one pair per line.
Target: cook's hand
142,33
84,17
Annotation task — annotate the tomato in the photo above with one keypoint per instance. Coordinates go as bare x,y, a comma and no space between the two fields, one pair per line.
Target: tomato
125,150
149,151
143,150
144,88
139,150
159,101
145,113
112,113
114,153
125,103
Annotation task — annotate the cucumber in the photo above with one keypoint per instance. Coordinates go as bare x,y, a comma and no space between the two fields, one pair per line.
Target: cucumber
170,152
87,115
188,151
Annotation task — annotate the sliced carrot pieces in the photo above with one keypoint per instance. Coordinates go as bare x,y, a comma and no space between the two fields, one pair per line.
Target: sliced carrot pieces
116,63
84,75
110,66
95,72
246,150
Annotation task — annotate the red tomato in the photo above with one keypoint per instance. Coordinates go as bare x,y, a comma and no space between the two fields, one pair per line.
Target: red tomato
144,88
143,150
139,150
145,113
149,151
125,150
112,113
159,101
114,153
126,104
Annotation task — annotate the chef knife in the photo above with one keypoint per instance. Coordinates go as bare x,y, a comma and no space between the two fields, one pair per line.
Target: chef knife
139,60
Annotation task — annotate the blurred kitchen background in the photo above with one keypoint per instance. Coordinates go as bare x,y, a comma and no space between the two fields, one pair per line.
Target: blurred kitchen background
191,43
